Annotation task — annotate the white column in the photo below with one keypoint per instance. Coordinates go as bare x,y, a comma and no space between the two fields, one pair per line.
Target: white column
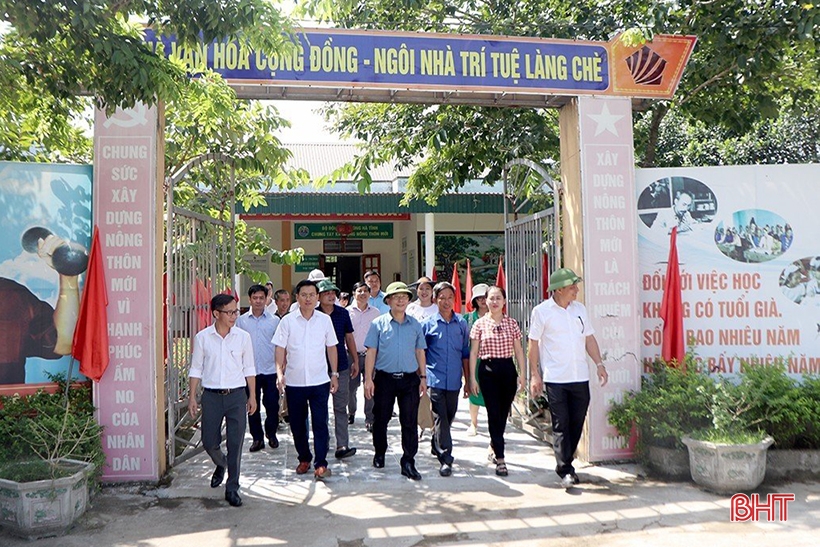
429,244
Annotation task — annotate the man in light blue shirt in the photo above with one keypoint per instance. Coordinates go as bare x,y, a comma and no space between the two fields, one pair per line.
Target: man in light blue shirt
448,354
261,325
395,370
374,282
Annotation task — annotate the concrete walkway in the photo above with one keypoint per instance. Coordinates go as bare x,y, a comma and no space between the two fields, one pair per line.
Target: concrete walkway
361,506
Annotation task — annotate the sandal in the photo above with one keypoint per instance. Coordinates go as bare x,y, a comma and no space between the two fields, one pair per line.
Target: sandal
491,457
501,469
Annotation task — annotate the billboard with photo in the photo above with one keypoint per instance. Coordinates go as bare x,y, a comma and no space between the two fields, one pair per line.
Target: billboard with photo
749,257
45,212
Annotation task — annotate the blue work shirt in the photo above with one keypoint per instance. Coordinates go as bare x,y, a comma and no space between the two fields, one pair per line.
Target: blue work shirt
378,302
396,343
448,344
261,330
341,326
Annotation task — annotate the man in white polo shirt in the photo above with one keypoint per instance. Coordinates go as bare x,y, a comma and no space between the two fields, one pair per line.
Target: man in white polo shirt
560,337
302,341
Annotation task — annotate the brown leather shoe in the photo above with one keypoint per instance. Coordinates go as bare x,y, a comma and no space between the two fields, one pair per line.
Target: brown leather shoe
321,473
302,468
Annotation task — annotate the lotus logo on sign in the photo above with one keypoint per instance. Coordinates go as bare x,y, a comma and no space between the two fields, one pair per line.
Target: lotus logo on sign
646,66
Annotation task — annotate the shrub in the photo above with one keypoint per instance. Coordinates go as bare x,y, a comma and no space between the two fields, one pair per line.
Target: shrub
672,402
44,426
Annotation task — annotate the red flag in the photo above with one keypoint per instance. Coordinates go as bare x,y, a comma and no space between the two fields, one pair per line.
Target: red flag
500,278
90,344
433,275
457,284
674,347
202,304
545,275
468,290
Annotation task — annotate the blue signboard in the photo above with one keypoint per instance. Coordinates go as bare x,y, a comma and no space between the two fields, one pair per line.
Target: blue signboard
413,61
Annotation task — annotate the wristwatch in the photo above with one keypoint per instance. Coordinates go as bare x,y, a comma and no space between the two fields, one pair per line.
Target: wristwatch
334,374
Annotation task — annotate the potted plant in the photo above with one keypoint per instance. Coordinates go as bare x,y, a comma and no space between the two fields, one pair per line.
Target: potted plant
672,402
51,451
729,456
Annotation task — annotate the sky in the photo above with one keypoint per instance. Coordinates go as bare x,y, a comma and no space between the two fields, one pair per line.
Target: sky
307,126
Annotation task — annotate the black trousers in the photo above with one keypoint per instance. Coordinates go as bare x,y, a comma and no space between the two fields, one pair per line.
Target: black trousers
233,409
498,381
267,395
388,388
568,406
445,406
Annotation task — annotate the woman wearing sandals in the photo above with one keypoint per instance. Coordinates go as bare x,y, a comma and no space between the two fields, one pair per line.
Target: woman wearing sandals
495,339
480,308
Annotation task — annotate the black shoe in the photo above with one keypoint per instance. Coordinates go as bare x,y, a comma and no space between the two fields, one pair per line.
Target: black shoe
273,442
575,479
350,419
345,453
256,446
409,470
233,499
378,461
445,470
368,426
218,476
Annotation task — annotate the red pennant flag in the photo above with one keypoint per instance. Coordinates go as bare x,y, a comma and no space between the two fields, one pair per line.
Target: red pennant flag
674,347
90,344
202,304
545,275
457,284
500,278
433,275
468,290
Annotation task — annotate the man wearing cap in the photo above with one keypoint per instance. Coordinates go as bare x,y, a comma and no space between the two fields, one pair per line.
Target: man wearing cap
374,283
448,360
343,327
302,340
560,336
395,368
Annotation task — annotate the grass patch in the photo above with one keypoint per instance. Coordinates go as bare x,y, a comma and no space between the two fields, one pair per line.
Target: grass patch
37,470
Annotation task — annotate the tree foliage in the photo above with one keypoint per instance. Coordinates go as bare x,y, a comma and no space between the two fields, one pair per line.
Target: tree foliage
754,61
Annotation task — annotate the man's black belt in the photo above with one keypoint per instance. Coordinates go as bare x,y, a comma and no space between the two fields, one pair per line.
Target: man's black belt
398,375
218,391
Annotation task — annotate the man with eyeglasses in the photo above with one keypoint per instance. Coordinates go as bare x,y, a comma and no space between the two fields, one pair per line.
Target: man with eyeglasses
222,362
261,324
560,337
303,340
395,351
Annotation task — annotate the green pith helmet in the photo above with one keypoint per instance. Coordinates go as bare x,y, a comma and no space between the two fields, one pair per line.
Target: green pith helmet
562,278
397,287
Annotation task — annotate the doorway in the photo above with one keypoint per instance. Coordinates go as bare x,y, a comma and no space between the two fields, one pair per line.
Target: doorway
344,271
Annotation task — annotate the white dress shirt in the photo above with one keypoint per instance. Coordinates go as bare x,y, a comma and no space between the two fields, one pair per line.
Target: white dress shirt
305,342
561,335
222,363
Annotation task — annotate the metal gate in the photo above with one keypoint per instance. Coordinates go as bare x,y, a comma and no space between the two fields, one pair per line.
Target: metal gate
532,244
200,262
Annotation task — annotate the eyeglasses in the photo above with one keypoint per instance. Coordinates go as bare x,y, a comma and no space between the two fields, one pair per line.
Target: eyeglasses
233,313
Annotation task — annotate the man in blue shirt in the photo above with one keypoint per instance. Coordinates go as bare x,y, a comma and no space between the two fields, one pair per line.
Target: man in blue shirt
343,327
374,283
261,324
395,351
448,357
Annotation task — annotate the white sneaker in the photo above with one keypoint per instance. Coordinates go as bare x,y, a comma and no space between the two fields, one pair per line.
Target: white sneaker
471,432
567,482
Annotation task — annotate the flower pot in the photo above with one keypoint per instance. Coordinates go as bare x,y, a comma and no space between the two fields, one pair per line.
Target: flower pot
668,463
47,507
727,468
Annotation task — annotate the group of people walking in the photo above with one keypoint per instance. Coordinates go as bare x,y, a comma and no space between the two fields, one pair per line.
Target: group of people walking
399,350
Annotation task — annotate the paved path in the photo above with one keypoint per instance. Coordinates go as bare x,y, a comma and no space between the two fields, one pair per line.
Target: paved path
361,506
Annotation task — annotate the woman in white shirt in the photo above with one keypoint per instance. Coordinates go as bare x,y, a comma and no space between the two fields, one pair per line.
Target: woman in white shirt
424,306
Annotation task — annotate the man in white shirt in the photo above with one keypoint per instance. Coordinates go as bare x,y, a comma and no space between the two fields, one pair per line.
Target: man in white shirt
303,339
361,315
560,337
261,324
222,362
